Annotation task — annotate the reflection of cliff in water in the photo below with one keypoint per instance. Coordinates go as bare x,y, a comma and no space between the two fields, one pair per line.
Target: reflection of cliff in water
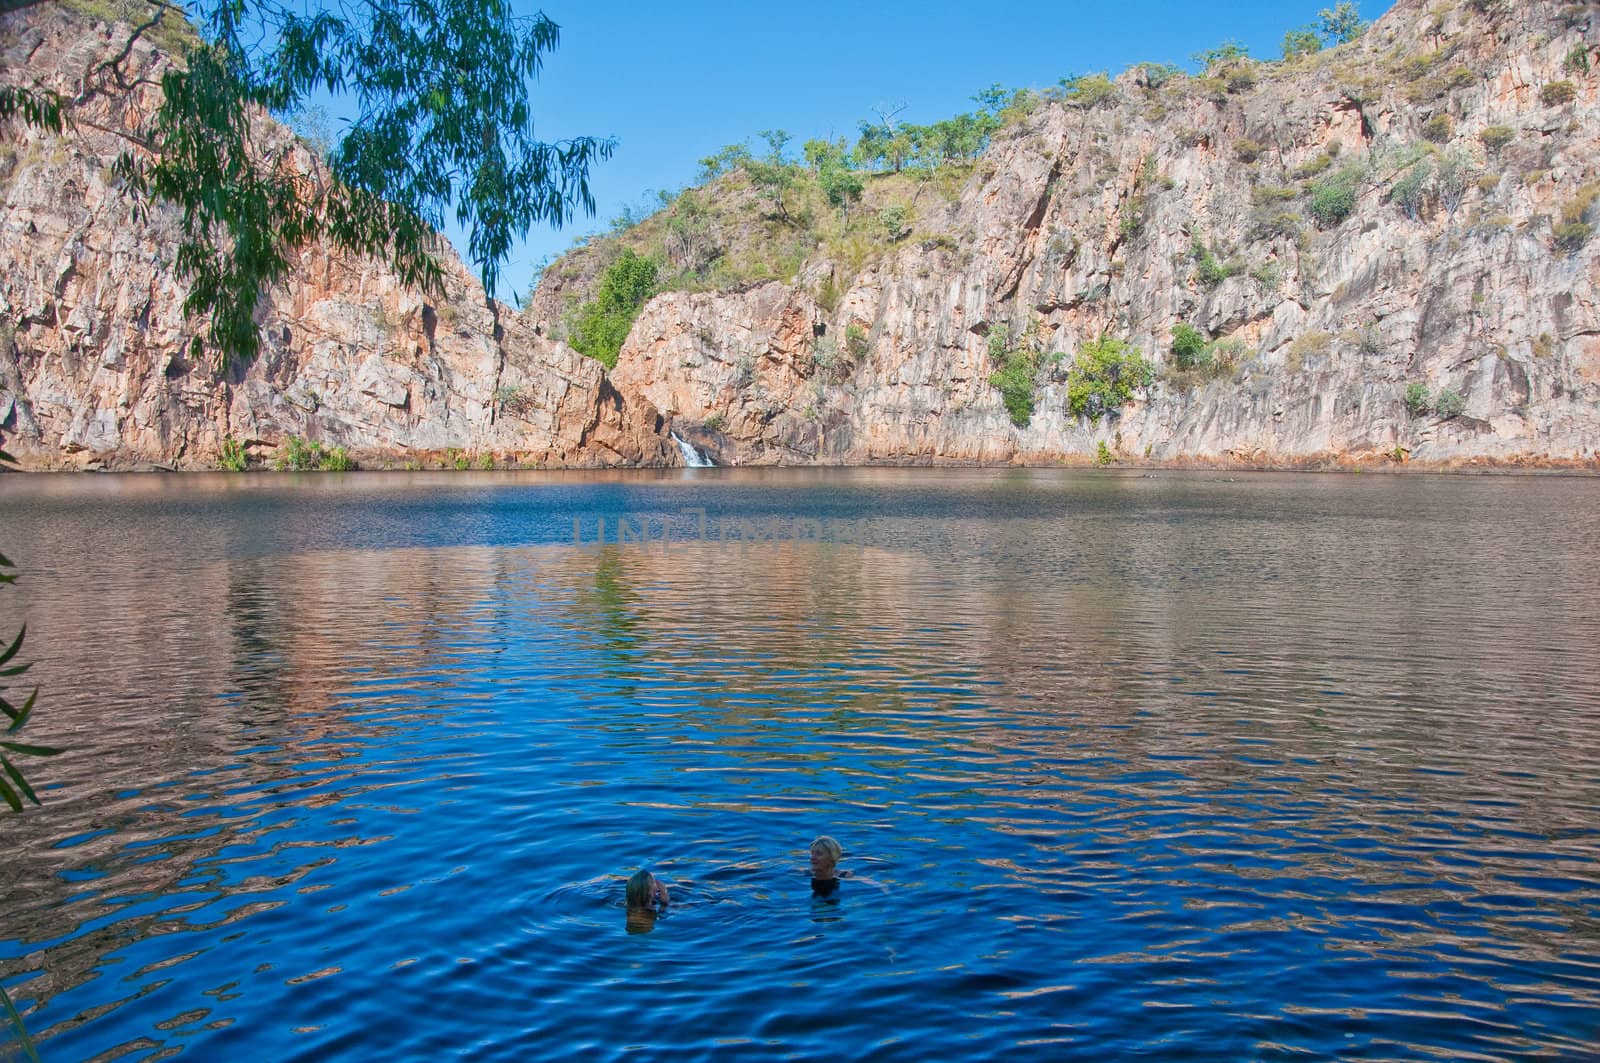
1076,673
210,713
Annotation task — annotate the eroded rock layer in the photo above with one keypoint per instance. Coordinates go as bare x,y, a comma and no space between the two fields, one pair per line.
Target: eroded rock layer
95,352
1085,221
1187,202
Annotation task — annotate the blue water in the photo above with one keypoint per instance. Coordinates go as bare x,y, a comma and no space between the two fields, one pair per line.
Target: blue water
1169,765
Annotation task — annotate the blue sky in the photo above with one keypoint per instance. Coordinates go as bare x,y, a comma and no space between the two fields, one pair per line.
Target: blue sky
674,82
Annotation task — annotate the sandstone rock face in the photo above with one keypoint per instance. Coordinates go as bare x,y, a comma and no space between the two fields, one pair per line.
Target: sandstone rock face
1086,221
1187,201
95,357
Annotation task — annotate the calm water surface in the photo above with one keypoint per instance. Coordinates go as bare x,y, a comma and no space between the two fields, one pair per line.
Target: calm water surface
1170,766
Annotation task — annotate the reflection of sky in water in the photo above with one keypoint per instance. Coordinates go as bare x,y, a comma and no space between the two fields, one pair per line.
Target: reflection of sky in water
1166,764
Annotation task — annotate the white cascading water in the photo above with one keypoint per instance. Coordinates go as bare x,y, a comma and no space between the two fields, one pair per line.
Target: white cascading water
691,457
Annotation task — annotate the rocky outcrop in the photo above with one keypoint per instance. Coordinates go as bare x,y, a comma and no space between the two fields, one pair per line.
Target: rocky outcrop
96,364
1190,202
1117,214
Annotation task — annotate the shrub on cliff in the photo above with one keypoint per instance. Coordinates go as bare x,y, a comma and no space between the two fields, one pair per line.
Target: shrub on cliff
1333,198
1575,226
1088,91
1104,377
600,327
1209,270
1188,346
1558,93
1017,367
232,457
1418,399
1496,137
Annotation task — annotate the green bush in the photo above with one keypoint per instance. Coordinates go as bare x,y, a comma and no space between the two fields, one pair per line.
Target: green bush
1102,453
1577,60
600,327
1089,91
337,459
896,221
1014,377
1570,236
1313,167
300,455
1226,53
1418,400
1247,150
1104,377
1209,270
855,342
1333,198
1240,77
1158,74
1449,404
1558,93
1438,129
1189,346
1297,43
1411,187
1575,227
232,457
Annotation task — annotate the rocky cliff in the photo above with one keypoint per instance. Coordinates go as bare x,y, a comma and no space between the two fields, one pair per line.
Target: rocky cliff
1459,270
94,348
1467,136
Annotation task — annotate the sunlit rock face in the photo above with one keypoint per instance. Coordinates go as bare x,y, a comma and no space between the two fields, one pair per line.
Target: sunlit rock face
1078,222
1082,222
96,366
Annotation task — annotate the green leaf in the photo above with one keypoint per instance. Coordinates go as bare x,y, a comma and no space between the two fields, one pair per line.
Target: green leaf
15,646
30,751
18,716
9,794
16,1022
16,777
444,127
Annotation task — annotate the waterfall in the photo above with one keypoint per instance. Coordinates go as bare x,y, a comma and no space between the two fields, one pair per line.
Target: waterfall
691,457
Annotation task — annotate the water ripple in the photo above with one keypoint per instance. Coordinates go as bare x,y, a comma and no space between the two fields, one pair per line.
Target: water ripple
1278,767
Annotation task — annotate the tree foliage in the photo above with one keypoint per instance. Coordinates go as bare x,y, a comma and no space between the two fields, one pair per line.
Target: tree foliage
443,125
1225,54
1341,24
14,786
1333,196
1105,376
1016,366
600,327
1297,43
774,174
1189,346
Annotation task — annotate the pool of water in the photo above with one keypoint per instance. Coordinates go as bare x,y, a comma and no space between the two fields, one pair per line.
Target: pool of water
1169,765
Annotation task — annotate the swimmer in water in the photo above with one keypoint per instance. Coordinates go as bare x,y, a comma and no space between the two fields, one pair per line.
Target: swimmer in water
646,891
825,854
647,898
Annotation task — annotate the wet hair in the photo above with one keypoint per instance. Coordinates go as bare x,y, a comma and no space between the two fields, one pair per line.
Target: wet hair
832,848
641,889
